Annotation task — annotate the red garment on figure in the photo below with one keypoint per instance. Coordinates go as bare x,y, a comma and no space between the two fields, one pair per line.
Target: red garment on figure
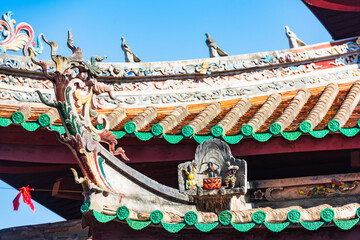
25,191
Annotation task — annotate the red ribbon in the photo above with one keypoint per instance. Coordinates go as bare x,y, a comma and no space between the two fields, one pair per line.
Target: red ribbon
25,192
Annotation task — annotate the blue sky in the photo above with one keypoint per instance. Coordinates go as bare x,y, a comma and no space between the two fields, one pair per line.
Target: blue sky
156,31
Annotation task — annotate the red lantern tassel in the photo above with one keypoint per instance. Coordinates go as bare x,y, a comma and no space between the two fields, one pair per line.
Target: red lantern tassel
25,192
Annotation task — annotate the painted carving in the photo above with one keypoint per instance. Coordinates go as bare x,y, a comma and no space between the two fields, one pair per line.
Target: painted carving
206,67
335,188
17,37
230,179
76,87
217,170
212,181
190,176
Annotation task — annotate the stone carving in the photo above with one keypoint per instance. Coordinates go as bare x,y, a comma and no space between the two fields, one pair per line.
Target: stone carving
12,80
214,49
18,37
231,63
215,163
294,41
129,55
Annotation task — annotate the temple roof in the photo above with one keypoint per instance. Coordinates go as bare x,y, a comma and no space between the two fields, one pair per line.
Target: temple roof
308,90
275,220
316,111
340,17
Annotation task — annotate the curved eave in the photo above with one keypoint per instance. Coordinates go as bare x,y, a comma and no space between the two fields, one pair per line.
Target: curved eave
341,17
308,90
262,113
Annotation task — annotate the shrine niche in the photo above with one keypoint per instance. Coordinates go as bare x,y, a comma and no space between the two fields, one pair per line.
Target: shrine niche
213,171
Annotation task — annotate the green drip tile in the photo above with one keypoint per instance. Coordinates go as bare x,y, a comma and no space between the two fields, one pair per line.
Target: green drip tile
346,224
4,122
327,214
30,126
225,217
44,120
173,139
291,136
206,227
334,125
233,139
262,137
130,127
144,136
312,226
103,218
258,217
305,126
349,132
243,227
202,138
156,216
275,128
190,218
137,225
122,212
319,133
187,131
276,227
157,129
217,131
247,130
119,134
17,117
294,216
173,227
60,129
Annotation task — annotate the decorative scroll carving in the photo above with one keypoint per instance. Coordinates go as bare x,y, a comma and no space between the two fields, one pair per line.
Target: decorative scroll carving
15,39
334,188
75,87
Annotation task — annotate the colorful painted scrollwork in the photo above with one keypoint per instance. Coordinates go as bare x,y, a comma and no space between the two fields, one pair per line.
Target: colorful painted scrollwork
335,188
18,37
76,87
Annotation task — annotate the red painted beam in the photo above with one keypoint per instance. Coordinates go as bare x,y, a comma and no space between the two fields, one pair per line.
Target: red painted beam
36,153
160,151
246,147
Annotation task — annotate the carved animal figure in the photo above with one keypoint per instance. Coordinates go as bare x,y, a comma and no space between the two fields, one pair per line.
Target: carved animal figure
129,55
294,41
214,49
